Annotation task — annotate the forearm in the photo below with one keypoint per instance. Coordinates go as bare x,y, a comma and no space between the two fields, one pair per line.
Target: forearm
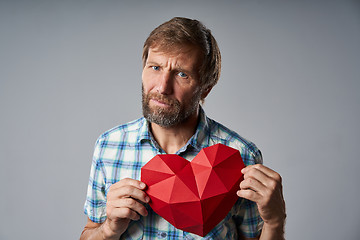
98,232
92,234
272,232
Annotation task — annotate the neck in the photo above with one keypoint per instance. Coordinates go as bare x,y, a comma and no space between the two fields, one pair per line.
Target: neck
171,139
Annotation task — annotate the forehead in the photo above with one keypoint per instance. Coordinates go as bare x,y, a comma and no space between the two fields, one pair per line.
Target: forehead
186,55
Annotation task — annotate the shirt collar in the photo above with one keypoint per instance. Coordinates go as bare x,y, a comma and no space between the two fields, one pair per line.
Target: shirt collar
198,141
144,132
145,135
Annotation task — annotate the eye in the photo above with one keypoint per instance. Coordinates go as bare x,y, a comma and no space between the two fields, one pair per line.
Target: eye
182,75
156,68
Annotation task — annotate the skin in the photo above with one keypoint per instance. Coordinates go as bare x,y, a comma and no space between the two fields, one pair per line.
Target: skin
175,76
263,186
122,206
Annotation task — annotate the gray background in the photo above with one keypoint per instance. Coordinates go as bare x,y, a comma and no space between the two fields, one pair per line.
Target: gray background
72,69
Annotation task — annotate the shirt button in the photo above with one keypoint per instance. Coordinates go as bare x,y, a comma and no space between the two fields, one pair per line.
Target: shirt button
162,234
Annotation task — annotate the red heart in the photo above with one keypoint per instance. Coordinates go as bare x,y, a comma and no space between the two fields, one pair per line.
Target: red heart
194,196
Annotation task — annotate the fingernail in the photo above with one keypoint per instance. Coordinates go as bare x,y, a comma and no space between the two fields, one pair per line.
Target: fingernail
147,199
142,185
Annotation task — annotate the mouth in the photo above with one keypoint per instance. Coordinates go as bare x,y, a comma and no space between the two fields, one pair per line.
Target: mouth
160,102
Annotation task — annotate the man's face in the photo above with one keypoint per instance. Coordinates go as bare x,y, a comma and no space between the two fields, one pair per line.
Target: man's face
170,86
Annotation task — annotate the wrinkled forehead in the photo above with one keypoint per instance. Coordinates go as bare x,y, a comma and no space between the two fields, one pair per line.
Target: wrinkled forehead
188,57
176,49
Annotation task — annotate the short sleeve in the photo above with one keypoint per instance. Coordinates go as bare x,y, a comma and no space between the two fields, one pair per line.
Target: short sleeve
258,157
246,213
95,204
247,218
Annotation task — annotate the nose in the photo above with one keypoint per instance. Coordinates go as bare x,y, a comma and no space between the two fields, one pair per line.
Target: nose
165,84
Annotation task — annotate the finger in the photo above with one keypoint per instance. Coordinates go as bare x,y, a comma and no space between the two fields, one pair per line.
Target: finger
252,184
249,194
129,191
265,170
125,213
130,203
128,182
257,175
260,176
128,187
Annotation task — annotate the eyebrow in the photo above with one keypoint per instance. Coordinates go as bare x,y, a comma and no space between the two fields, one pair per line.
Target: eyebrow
191,72
153,63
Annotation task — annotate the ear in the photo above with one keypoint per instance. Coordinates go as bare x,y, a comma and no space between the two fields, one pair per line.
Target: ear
205,92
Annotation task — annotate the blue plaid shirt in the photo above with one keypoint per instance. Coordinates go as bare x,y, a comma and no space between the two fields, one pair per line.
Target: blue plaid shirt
122,151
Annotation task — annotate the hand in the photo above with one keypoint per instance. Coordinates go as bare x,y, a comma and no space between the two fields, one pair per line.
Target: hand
264,186
124,204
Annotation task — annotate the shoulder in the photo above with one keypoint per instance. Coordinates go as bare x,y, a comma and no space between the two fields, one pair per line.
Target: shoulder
116,140
124,132
222,134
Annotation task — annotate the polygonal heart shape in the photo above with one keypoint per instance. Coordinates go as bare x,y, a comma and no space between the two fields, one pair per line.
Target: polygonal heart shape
194,196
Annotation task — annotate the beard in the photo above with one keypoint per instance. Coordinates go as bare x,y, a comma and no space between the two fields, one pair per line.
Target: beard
168,116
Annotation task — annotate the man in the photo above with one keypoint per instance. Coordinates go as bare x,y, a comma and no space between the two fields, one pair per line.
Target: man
181,64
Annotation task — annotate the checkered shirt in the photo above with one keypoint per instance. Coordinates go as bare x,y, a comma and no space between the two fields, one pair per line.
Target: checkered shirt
122,151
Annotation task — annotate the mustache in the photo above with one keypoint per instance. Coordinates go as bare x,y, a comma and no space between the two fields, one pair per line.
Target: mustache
162,98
